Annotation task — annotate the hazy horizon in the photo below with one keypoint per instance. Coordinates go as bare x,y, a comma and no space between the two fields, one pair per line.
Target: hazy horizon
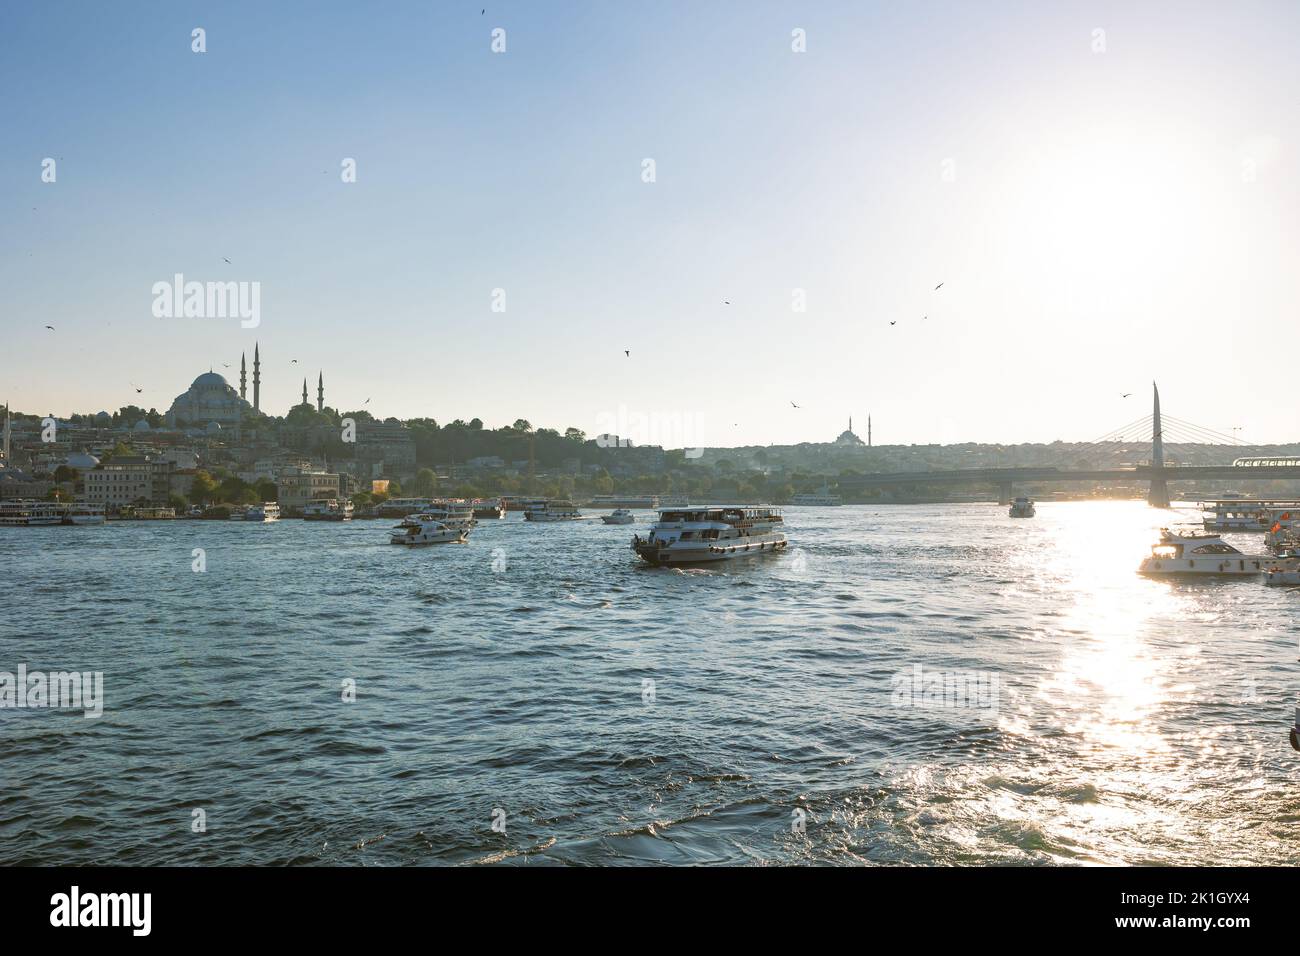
1098,218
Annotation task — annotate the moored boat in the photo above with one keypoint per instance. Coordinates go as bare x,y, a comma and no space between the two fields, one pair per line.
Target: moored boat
702,534
1199,553
1022,507
329,509
489,508
25,512
266,511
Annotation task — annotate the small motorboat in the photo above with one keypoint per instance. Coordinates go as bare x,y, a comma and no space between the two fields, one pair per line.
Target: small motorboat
1185,552
1022,507
427,529
1280,577
619,516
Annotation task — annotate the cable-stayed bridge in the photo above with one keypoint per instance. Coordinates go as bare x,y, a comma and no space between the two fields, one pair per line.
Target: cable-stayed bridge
1171,440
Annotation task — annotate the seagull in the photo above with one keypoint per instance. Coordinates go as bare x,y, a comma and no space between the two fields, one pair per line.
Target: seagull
293,361
938,287
893,322
924,318
627,352
227,260
726,302
796,406
137,388
366,402
1126,395
225,365
50,327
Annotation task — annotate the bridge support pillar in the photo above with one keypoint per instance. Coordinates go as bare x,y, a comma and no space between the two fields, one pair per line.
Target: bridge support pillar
1158,496
1004,493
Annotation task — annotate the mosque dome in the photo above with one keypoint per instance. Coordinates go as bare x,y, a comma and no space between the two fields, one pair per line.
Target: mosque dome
142,425
213,427
81,461
210,399
210,380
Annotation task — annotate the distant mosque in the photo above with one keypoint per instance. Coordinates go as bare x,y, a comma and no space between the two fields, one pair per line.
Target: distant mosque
848,438
211,403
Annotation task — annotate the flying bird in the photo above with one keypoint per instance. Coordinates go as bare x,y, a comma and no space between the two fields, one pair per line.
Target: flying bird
50,327
893,321
938,287
293,361
924,318
137,388
227,260
366,402
1126,395
796,406
627,352
726,302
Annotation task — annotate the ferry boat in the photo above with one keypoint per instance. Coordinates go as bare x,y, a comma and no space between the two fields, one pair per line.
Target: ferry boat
266,511
489,508
237,514
427,528
331,509
400,507
1249,514
81,513
454,513
24,512
1022,507
619,516
552,509
705,533
820,499
1187,552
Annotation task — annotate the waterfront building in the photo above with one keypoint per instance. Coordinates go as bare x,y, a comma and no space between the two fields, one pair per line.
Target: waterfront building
297,487
129,480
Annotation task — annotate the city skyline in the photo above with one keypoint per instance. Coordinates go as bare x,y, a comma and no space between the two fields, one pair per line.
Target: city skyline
1120,215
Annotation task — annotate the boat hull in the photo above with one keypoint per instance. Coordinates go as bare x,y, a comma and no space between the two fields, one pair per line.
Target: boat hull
1202,567
653,553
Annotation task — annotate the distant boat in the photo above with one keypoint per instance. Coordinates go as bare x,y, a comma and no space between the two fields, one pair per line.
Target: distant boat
489,508
552,509
619,516
330,509
24,512
1022,507
820,499
267,511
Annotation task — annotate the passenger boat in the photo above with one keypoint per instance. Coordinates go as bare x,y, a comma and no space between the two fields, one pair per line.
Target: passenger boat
330,509
24,512
619,516
427,528
237,514
820,499
1284,577
1186,552
489,508
454,513
552,509
1249,514
81,513
1022,507
266,511
700,534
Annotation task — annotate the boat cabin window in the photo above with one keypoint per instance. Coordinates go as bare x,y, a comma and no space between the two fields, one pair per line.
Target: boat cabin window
1215,549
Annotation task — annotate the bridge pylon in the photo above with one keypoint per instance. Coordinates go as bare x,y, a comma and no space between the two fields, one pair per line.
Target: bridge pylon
1158,494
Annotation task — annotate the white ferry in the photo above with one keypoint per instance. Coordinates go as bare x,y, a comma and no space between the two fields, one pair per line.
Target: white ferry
619,516
1180,552
427,528
25,512
820,499
266,511
82,513
454,513
1022,507
400,507
1249,514
489,508
330,509
552,509
697,534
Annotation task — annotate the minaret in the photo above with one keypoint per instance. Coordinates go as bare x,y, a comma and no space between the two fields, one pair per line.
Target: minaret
304,393
868,431
257,379
320,393
7,461
243,376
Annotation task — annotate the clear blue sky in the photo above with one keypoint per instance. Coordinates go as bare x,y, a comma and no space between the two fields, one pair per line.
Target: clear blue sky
1101,230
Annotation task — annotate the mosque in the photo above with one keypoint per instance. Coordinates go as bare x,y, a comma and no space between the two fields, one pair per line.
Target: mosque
850,438
211,403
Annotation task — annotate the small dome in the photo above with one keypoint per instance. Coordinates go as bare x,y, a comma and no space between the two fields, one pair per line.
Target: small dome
81,461
142,425
210,380
213,427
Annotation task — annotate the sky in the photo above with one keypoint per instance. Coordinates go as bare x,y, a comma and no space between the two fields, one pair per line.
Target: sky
1107,191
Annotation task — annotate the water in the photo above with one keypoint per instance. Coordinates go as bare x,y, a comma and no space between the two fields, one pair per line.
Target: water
1135,721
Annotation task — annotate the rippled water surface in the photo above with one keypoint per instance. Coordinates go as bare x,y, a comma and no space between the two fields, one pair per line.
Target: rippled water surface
1132,721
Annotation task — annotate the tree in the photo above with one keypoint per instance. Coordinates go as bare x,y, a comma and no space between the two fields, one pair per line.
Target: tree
203,487
426,483
575,434
267,490
64,473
